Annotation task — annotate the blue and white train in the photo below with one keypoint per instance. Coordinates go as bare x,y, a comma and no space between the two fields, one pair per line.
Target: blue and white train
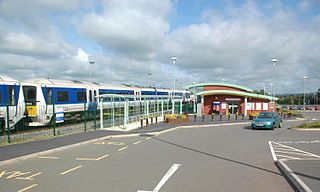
11,102
69,96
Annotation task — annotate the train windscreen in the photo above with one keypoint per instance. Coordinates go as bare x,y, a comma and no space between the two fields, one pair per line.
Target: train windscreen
30,94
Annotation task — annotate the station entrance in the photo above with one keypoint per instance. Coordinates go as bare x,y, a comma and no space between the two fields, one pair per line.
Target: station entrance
233,108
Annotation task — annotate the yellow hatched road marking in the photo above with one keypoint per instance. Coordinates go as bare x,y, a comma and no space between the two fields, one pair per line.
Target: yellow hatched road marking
92,159
68,171
30,177
46,157
123,148
27,188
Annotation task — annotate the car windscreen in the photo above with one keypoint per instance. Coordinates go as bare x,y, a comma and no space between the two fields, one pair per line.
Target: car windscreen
265,115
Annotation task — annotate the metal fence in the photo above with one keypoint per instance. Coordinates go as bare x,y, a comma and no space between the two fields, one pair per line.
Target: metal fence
108,114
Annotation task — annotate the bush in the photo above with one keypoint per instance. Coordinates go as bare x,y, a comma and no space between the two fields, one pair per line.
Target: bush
311,125
292,113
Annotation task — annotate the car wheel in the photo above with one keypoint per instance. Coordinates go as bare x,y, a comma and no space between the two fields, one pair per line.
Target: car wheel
280,124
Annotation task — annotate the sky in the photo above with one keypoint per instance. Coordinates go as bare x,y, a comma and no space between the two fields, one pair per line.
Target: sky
133,41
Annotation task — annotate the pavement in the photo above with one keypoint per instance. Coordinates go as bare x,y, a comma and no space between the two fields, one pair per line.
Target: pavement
307,170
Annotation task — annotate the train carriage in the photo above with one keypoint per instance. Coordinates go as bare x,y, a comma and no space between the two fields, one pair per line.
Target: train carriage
11,100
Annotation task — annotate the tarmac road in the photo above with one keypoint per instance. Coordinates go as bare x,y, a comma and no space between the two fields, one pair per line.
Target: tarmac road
219,158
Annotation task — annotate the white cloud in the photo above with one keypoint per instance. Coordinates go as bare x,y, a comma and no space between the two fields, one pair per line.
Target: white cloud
134,28
127,40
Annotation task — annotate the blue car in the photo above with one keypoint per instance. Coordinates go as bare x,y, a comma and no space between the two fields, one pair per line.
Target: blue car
267,120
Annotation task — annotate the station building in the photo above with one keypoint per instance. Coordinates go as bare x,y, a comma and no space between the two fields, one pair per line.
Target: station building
224,98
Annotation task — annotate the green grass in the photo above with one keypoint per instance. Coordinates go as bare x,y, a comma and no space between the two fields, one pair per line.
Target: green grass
310,125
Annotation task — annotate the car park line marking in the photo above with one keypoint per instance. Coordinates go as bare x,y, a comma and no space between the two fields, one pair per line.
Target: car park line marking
274,157
302,154
137,142
299,142
47,157
16,174
70,170
305,187
148,138
31,177
109,143
274,147
165,178
295,158
27,188
92,159
123,148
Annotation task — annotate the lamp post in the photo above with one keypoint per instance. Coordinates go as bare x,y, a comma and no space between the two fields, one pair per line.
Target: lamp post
195,97
274,62
304,91
174,59
90,63
149,79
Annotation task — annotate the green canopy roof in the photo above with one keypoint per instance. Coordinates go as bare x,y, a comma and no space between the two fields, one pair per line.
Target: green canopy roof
219,84
236,93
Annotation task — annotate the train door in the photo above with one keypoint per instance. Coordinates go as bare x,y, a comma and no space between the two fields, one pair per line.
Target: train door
30,95
92,101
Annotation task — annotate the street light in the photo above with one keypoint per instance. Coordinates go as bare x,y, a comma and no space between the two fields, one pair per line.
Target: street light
149,75
274,62
91,63
195,98
305,77
174,59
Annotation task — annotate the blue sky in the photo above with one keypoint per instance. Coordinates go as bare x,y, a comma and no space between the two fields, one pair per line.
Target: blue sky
214,40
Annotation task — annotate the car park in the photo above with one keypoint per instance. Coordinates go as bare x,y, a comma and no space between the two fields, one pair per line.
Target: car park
267,120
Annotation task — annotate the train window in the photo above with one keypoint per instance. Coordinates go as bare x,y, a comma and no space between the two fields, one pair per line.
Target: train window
94,95
62,96
11,95
90,96
81,96
30,94
49,96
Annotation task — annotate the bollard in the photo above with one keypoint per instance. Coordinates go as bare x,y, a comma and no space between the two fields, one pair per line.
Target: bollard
194,118
220,117
229,117
141,121
151,118
165,117
236,116
202,117
212,117
157,118
284,115
242,116
147,121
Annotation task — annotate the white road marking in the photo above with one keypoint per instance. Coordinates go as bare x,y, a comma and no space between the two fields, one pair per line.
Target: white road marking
148,138
293,153
165,178
274,157
306,188
295,158
27,188
279,150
